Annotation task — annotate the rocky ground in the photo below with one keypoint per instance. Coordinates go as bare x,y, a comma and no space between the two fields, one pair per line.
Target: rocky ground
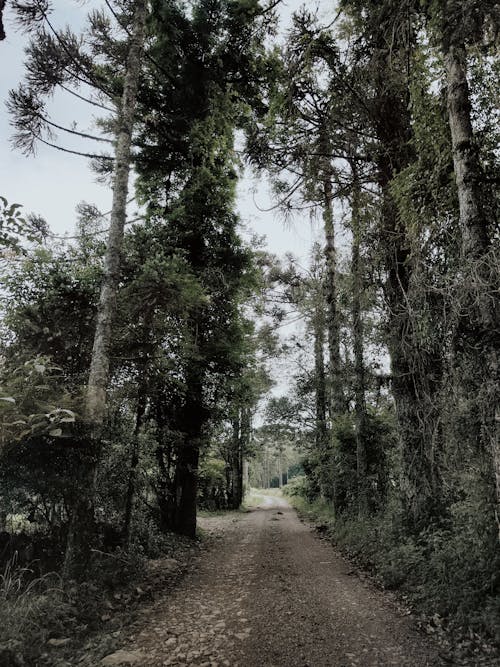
267,592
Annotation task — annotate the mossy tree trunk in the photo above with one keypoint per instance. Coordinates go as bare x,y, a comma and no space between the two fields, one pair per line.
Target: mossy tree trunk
337,402
134,463
81,529
321,429
358,344
478,321
411,365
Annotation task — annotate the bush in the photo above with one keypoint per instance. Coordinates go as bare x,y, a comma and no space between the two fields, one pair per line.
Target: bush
332,472
298,486
452,570
212,485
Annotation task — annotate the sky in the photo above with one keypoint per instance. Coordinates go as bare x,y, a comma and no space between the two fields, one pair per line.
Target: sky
52,183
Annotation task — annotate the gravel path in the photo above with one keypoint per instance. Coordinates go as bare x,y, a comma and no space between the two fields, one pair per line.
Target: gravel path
269,593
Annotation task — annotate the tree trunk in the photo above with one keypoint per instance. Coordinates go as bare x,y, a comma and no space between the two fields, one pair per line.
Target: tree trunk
186,487
479,266
164,493
358,340
96,396
236,472
280,472
321,431
134,462
246,475
81,529
337,402
2,31
246,429
411,365
192,423
468,172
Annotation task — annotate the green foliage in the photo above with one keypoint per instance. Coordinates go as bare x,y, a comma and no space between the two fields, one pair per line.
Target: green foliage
332,472
213,489
50,311
450,571
14,229
29,607
297,487
32,403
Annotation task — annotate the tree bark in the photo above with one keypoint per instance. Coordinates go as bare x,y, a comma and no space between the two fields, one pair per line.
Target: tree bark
96,395
411,366
186,487
2,31
337,402
134,462
468,172
321,431
192,422
235,457
246,431
479,264
358,340
81,530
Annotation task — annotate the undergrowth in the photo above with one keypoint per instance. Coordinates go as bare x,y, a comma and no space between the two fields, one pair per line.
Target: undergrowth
44,620
450,574
31,610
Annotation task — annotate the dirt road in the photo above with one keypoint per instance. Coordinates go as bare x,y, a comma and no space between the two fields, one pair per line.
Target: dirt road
269,593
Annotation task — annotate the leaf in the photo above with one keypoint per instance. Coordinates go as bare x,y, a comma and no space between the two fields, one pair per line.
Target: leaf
56,432
65,411
12,209
8,399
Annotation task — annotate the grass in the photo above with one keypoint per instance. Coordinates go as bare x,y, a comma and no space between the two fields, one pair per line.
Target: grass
319,511
31,610
252,498
255,497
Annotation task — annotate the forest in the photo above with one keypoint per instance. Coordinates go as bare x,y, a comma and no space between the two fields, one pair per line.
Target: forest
157,362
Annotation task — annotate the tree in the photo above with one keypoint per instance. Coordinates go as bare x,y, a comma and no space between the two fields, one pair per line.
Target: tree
190,186
82,519
358,343
296,143
456,25
55,59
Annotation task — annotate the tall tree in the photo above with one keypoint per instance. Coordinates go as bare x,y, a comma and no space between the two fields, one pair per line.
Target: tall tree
299,145
384,60
95,407
456,26
358,340
54,58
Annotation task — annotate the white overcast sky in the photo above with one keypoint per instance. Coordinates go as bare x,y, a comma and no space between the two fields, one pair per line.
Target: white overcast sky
52,183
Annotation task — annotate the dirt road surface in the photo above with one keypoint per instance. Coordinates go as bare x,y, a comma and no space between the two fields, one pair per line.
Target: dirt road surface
269,593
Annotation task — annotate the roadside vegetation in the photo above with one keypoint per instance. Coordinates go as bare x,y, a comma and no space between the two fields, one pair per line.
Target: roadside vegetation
139,374
440,577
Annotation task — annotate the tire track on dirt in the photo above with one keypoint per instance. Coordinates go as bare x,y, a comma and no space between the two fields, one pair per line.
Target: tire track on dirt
268,593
